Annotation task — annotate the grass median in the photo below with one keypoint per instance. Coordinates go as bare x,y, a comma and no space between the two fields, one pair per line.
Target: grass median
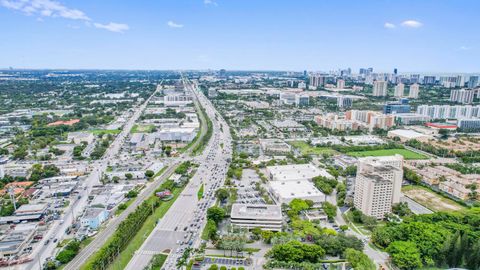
126,255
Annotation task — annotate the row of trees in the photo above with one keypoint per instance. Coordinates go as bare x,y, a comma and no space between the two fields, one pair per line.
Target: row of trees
126,231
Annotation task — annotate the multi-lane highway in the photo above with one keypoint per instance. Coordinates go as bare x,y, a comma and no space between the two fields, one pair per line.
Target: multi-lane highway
181,227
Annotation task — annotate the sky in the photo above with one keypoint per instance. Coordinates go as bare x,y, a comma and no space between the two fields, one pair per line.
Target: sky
296,35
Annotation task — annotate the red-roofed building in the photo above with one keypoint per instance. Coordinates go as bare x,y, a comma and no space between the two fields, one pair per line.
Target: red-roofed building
67,123
441,126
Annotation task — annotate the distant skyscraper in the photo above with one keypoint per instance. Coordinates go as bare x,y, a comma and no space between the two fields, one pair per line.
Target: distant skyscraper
399,90
380,88
395,71
305,73
429,80
317,80
340,84
473,81
222,73
414,90
460,82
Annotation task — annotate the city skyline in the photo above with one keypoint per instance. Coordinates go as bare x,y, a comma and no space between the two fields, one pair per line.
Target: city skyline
247,35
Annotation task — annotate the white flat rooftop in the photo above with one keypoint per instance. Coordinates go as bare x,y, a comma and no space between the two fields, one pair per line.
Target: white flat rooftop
296,172
296,189
256,211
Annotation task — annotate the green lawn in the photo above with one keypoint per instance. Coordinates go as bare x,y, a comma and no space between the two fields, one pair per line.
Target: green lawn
158,261
142,129
105,131
124,257
407,154
307,149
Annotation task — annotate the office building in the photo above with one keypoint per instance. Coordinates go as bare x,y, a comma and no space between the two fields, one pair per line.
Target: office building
344,102
94,217
414,90
177,100
380,88
399,90
448,81
334,122
396,107
177,134
469,125
249,216
318,80
340,84
302,99
302,85
462,96
449,112
473,82
378,184
411,118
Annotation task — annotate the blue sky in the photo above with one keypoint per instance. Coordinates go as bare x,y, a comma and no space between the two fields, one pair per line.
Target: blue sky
414,36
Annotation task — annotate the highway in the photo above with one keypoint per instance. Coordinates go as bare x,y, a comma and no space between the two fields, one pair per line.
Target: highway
181,227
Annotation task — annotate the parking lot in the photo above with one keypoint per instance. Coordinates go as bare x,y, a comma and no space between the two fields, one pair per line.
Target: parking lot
224,261
246,192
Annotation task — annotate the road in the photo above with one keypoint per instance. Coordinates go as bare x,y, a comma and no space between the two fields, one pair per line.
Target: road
75,209
181,227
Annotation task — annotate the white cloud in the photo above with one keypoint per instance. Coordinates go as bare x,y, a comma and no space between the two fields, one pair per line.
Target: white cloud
412,24
389,25
113,27
45,8
464,48
210,2
54,9
174,24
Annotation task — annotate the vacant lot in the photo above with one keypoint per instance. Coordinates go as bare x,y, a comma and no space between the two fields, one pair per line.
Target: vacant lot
430,199
307,149
142,129
407,154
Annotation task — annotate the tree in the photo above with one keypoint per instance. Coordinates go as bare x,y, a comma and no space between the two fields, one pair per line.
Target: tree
358,259
267,236
149,173
443,133
129,176
213,267
405,255
216,213
222,194
131,194
330,210
295,251
211,229
401,209
297,205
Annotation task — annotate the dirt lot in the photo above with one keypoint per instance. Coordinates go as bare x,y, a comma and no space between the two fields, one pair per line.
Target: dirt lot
460,144
430,199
